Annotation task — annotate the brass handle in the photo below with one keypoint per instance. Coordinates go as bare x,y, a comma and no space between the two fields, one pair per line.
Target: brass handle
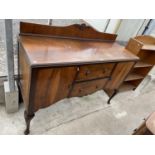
78,69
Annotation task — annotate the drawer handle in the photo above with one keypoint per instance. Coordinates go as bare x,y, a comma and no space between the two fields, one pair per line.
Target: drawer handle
87,72
78,69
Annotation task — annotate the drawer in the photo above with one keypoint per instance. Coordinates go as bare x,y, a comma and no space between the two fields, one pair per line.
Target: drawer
88,72
88,87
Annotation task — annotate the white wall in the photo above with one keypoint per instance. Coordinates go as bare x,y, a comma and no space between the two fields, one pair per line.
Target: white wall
113,25
129,28
125,28
98,24
104,25
66,22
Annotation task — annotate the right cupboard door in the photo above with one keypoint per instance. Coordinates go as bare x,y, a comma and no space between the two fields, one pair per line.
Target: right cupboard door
119,74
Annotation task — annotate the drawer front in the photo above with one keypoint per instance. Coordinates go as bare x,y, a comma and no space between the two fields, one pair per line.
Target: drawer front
88,72
85,88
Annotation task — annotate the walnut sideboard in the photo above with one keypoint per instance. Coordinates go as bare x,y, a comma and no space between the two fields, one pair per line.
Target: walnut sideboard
63,62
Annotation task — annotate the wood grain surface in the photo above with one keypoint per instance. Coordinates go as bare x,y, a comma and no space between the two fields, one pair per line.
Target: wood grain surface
71,31
55,51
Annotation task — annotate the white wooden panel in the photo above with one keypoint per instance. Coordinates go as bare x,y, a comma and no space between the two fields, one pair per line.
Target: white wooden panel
152,28
125,28
153,33
98,24
129,28
141,30
113,26
66,22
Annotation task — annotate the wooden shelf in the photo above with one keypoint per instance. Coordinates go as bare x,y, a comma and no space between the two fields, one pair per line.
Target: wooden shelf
143,47
148,47
134,76
126,86
142,64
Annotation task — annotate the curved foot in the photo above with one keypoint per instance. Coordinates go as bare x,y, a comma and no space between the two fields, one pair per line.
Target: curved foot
28,119
114,93
26,132
133,89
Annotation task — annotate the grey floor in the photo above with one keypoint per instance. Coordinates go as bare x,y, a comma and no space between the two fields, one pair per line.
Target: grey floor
86,115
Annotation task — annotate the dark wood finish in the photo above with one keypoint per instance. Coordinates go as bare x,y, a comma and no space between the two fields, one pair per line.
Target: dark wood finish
126,86
142,64
88,72
144,48
133,76
119,75
28,119
43,51
24,75
52,85
86,88
112,95
135,83
121,71
61,62
72,31
142,130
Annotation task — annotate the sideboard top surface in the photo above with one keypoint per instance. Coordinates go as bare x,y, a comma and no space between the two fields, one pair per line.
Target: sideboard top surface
58,51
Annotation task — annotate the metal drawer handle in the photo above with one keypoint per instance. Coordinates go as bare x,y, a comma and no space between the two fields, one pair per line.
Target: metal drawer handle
78,69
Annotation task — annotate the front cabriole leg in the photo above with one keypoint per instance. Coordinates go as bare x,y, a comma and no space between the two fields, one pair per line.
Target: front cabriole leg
28,119
114,93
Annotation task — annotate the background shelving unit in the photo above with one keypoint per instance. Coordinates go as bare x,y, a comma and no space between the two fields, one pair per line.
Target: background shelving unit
144,48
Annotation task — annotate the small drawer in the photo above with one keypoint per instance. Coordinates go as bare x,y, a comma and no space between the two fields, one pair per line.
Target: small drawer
88,72
88,87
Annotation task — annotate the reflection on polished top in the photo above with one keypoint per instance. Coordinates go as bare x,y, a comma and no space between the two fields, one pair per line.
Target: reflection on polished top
57,51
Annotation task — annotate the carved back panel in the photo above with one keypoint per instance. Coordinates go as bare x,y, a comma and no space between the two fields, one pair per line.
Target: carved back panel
73,31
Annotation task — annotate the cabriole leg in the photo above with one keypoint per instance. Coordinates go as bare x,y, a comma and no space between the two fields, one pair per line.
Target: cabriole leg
28,119
114,93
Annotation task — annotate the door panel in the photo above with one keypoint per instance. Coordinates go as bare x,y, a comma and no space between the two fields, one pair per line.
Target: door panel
52,85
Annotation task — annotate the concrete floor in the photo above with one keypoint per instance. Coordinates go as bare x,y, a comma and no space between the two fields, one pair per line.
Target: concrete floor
86,115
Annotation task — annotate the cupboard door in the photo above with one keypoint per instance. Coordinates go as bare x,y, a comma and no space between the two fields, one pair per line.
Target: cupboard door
51,85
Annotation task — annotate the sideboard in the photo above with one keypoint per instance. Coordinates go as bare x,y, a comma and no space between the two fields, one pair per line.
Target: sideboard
63,62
